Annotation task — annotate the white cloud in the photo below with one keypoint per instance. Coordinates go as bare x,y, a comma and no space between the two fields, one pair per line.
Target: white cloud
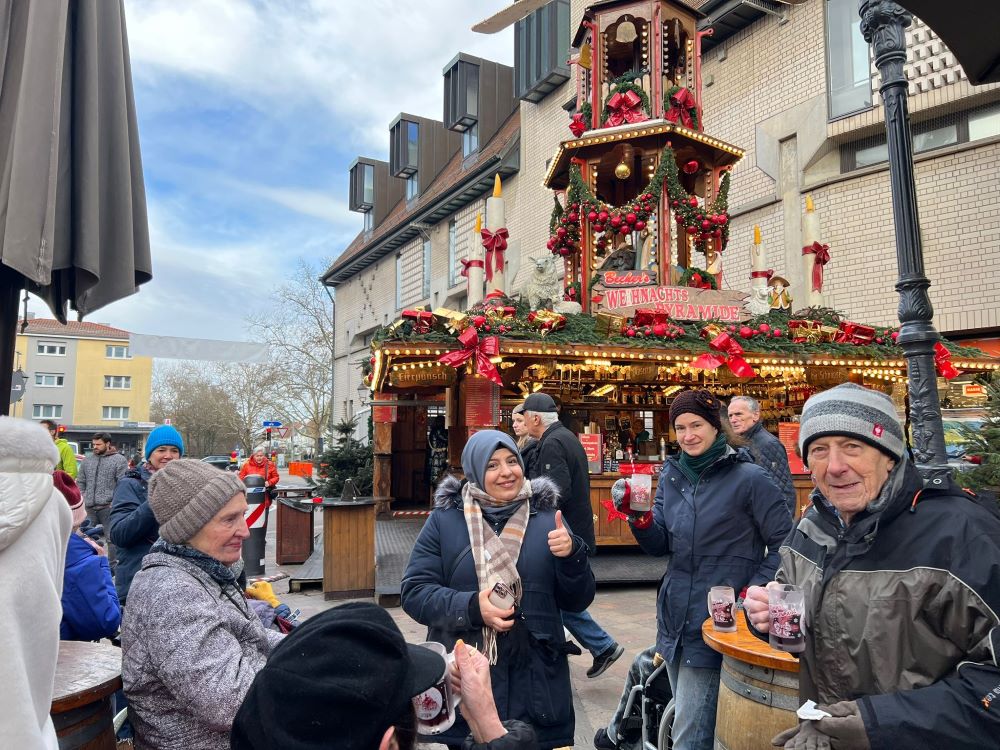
362,62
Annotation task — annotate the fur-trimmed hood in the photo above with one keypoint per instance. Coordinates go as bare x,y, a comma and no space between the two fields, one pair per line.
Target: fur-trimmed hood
544,494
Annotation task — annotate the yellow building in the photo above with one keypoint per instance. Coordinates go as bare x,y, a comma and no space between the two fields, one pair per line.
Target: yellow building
82,376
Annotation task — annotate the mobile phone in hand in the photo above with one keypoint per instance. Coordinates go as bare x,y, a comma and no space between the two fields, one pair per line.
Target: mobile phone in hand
501,596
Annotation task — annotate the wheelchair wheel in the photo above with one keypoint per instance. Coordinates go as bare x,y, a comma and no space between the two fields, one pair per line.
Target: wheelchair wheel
664,740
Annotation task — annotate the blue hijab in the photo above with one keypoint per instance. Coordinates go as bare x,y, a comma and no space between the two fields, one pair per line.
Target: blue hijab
480,449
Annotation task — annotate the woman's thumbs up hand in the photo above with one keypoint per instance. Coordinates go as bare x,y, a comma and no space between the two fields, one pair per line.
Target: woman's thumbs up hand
560,541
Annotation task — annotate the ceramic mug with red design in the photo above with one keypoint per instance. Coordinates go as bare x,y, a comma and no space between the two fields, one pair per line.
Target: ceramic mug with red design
435,707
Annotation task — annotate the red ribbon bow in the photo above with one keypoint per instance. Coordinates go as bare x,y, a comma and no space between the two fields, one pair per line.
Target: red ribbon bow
822,253
422,319
731,355
467,264
681,105
942,361
482,350
762,274
577,126
495,244
624,107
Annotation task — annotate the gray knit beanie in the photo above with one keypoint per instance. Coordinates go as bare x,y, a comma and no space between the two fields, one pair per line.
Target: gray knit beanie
854,411
186,494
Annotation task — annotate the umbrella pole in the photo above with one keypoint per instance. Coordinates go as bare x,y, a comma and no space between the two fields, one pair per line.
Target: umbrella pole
10,287
883,23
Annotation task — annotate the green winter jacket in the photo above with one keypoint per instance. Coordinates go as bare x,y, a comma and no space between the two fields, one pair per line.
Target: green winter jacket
67,458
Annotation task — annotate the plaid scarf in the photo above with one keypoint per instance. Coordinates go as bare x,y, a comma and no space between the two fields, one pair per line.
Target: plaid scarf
495,555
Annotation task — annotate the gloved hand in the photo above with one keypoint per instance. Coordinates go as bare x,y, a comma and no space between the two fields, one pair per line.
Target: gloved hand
263,591
845,727
621,495
806,736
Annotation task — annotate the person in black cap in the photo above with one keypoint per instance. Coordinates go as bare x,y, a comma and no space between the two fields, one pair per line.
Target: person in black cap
346,679
559,456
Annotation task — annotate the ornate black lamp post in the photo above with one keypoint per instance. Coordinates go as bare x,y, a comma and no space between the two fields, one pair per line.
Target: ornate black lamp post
882,24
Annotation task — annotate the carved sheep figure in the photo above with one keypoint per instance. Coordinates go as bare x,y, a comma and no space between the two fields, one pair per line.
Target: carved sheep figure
544,288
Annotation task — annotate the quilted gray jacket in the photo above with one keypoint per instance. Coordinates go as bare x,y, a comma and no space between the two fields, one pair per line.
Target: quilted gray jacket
190,650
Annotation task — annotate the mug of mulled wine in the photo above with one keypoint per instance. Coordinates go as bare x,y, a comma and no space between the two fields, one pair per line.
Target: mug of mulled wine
435,707
786,605
721,603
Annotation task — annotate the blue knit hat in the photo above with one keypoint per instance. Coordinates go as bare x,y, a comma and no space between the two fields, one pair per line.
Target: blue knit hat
165,434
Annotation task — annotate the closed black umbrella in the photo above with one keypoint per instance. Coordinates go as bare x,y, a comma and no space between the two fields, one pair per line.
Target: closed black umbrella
73,226
969,28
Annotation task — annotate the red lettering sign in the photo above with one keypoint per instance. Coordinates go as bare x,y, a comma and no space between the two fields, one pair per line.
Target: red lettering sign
627,278
679,303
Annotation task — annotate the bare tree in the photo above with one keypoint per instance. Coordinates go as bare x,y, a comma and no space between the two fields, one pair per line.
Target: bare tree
298,326
187,394
253,394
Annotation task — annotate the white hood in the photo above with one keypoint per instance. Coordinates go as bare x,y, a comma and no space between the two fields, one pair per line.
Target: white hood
27,458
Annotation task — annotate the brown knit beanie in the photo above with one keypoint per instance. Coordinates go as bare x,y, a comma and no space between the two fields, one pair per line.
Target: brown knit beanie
700,402
186,494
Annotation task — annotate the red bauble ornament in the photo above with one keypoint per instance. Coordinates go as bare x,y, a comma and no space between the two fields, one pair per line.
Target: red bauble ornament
691,230
624,229
640,225
630,332
693,202
723,218
616,221
895,335
574,217
601,244
631,218
777,333
551,243
603,216
763,328
592,216
731,329
598,228
717,234
575,207
660,329
561,231
706,225
479,320
879,340
675,204
371,360
746,332
692,167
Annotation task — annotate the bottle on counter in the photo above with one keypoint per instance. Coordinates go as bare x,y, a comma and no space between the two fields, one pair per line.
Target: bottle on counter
663,448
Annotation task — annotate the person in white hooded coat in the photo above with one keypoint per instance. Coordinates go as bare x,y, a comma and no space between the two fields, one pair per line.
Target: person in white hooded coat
35,524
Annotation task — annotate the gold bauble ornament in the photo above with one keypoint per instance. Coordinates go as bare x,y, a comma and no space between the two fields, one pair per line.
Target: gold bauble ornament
623,171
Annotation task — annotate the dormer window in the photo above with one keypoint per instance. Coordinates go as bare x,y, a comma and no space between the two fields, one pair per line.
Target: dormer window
461,95
541,48
404,148
362,184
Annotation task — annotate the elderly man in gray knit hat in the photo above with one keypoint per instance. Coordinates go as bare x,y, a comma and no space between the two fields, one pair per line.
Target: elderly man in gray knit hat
191,645
902,589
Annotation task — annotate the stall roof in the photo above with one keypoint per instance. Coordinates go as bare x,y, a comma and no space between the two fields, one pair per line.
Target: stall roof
649,132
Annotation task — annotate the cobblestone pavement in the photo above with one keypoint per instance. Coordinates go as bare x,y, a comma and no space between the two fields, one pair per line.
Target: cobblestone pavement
627,613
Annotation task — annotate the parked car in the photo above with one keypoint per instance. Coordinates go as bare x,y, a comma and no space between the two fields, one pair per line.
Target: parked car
221,462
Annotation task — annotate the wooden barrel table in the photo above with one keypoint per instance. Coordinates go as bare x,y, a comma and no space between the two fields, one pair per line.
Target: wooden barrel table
87,675
758,688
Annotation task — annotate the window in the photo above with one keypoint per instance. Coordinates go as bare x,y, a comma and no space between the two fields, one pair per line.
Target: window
404,147
927,136
452,252
368,221
52,348
848,70
470,140
114,412
461,94
541,48
47,411
399,282
49,379
412,187
425,290
116,351
118,382
362,186
984,123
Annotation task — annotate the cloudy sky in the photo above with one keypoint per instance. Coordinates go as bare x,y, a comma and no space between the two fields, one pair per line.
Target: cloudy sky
250,113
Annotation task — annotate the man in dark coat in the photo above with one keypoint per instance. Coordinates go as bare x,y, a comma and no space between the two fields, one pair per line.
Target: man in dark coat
559,456
766,449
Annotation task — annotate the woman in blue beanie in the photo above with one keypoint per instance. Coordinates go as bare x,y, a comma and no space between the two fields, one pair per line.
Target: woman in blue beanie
133,526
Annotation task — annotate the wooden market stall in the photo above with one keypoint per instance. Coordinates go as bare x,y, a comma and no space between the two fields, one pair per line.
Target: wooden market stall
616,395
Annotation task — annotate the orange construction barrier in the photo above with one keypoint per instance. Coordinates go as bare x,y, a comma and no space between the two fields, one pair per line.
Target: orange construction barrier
301,469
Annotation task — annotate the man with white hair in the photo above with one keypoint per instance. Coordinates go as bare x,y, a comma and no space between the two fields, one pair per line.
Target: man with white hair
766,449
559,456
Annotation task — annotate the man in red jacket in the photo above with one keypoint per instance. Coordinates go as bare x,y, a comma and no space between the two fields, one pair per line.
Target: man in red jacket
259,464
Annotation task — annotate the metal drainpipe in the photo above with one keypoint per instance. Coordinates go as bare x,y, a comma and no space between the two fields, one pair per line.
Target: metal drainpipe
882,24
333,362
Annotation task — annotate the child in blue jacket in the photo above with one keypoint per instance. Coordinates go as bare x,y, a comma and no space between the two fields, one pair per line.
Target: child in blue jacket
89,601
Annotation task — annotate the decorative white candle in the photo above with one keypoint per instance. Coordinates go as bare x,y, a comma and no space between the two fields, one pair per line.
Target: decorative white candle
759,275
496,220
474,290
811,236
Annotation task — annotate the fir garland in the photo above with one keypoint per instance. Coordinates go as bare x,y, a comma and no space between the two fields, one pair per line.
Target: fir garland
620,85
703,223
588,114
668,105
696,277
557,212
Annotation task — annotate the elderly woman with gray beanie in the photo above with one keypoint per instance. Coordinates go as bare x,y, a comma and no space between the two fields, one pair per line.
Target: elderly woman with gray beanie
493,565
191,645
